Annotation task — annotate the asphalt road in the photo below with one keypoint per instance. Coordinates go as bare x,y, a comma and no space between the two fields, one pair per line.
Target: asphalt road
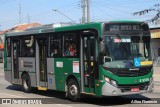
57,99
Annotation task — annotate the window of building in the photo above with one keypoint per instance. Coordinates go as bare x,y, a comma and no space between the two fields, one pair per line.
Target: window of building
27,46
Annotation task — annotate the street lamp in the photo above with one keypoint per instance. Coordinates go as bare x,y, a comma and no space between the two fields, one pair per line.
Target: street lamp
63,15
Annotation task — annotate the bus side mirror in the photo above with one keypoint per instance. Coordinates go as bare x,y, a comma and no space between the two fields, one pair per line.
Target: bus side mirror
107,59
102,48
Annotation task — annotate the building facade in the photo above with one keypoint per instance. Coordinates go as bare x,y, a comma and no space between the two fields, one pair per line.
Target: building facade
155,35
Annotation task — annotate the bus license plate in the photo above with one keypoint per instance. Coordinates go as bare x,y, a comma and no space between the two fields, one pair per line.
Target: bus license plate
134,89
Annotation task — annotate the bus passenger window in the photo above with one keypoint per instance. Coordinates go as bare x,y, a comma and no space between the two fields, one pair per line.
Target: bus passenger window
27,46
70,50
70,45
55,45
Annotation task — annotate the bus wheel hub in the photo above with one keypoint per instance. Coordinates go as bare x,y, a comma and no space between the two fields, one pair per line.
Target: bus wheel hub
25,84
73,90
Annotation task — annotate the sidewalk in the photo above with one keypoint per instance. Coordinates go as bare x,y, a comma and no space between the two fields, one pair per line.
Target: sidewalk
1,69
156,75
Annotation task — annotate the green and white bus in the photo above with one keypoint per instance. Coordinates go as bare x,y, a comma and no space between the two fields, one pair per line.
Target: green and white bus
102,58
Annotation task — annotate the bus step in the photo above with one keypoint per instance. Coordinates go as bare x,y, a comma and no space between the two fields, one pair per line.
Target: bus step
42,88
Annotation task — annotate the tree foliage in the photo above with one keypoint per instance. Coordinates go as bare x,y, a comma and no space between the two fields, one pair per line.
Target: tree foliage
156,18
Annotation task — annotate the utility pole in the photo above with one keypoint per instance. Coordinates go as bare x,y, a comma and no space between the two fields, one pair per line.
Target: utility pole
20,12
83,11
88,10
85,3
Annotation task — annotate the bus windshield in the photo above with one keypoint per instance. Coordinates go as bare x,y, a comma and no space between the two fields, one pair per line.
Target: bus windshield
120,51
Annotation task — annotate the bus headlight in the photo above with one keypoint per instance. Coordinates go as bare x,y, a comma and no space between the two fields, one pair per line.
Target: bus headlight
107,79
110,81
114,83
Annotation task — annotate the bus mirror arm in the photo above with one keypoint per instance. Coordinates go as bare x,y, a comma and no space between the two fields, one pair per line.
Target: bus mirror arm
107,59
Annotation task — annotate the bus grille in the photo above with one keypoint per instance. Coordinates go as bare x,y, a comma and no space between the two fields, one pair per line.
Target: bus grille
127,88
126,72
131,73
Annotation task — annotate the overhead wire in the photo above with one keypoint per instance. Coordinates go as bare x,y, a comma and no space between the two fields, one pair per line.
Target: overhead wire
110,7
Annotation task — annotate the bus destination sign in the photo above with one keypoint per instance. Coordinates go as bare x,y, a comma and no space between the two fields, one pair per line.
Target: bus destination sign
125,27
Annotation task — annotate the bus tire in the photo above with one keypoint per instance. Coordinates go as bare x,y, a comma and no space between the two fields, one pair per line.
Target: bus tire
73,91
26,83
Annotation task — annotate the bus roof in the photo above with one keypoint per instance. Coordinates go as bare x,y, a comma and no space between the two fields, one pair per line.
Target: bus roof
125,21
66,27
47,29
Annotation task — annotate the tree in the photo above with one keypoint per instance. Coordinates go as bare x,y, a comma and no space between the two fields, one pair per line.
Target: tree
156,18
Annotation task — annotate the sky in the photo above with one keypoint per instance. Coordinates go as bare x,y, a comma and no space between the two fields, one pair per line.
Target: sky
41,11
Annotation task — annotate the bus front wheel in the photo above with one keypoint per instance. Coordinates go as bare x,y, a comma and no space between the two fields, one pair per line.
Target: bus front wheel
73,90
26,83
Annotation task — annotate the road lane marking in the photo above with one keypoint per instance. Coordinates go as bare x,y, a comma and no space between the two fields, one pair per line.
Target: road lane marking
63,105
12,95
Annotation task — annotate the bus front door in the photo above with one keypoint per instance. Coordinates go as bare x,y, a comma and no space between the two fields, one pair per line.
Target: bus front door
88,58
41,63
15,70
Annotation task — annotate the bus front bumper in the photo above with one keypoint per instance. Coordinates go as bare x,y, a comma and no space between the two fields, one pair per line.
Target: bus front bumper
110,90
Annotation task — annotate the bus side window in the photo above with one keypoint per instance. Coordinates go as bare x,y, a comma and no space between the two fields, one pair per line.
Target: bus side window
55,45
27,46
70,45
70,50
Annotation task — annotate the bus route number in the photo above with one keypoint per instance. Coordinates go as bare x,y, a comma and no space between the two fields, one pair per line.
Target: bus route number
144,80
129,27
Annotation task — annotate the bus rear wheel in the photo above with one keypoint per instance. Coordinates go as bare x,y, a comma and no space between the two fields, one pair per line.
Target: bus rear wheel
73,91
26,83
